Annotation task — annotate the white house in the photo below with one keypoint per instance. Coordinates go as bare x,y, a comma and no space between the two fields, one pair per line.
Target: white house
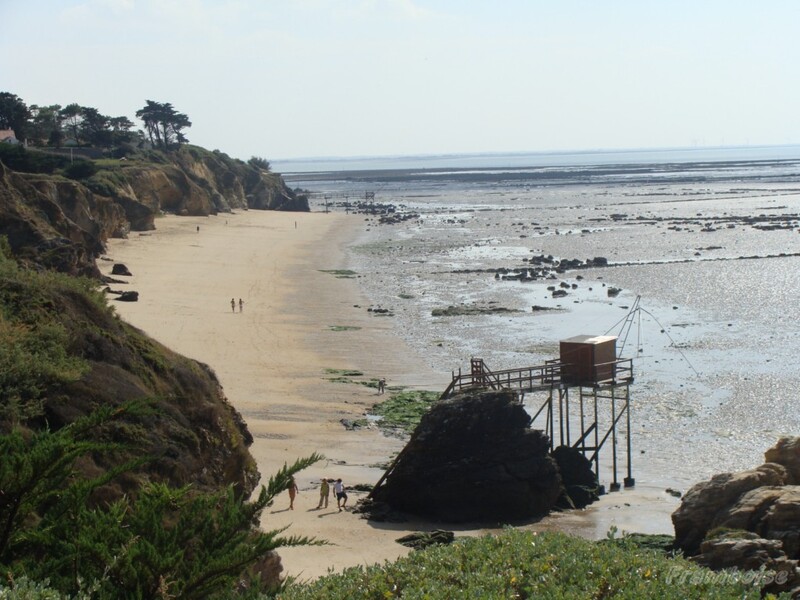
7,137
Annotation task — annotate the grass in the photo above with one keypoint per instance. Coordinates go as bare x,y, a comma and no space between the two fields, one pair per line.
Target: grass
524,564
344,372
340,273
107,163
401,411
404,409
346,376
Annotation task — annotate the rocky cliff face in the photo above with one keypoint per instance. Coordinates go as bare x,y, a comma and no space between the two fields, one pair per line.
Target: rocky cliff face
748,520
190,434
49,223
62,224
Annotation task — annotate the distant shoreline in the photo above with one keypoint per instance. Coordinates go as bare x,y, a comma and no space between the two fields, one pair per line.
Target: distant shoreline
566,158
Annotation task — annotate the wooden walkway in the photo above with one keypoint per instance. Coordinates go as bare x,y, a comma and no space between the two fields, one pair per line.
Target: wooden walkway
552,377
535,379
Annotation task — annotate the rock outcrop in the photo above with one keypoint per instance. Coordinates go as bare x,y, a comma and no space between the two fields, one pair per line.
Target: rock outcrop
747,520
579,481
787,453
702,504
474,457
42,232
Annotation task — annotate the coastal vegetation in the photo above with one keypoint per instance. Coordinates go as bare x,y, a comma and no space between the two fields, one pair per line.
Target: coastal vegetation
157,542
340,273
163,124
524,564
125,472
402,411
343,327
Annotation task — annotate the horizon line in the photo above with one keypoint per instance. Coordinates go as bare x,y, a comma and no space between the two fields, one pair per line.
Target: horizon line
334,158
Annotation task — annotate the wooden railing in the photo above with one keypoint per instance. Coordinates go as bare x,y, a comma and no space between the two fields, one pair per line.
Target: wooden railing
537,377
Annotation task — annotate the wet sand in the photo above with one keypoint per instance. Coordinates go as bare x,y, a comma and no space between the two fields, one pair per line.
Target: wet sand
271,358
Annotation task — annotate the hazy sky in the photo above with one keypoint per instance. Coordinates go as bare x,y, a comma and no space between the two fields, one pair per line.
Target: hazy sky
300,78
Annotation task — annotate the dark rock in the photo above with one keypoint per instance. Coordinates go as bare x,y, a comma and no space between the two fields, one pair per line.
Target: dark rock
120,269
381,512
580,483
422,539
129,297
474,457
559,293
613,292
107,279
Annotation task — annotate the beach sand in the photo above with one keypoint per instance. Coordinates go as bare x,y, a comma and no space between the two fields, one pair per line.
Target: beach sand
271,358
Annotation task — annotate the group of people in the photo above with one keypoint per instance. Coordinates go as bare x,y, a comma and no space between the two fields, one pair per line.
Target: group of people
233,305
339,491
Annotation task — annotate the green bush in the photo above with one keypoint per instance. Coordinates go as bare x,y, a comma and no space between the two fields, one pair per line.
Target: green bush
163,542
17,158
34,355
259,163
80,169
25,589
106,181
523,564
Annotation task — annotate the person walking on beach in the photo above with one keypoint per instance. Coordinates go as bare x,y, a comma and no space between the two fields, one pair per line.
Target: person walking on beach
241,305
381,385
341,495
293,490
233,305
324,493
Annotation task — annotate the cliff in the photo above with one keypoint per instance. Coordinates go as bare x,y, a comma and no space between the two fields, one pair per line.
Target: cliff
62,224
53,222
49,222
64,353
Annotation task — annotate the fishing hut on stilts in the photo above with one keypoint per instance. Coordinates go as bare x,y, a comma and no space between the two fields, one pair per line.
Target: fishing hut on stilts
583,398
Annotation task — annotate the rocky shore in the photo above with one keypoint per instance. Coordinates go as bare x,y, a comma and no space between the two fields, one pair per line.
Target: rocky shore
748,520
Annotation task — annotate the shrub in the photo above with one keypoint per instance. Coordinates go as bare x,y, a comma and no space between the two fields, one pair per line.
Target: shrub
259,163
80,169
524,564
17,158
164,542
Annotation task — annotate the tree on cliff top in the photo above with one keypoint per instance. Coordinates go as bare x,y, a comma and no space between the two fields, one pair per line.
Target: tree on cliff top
14,114
163,124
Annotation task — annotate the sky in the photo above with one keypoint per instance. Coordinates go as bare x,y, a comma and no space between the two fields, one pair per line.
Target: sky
286,79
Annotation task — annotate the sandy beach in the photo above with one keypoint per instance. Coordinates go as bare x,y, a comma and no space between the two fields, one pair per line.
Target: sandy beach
271,357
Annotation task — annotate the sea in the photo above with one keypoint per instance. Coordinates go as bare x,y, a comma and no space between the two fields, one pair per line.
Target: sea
700,245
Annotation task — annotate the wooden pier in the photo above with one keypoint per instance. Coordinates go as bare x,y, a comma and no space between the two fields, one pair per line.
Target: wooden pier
584,402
